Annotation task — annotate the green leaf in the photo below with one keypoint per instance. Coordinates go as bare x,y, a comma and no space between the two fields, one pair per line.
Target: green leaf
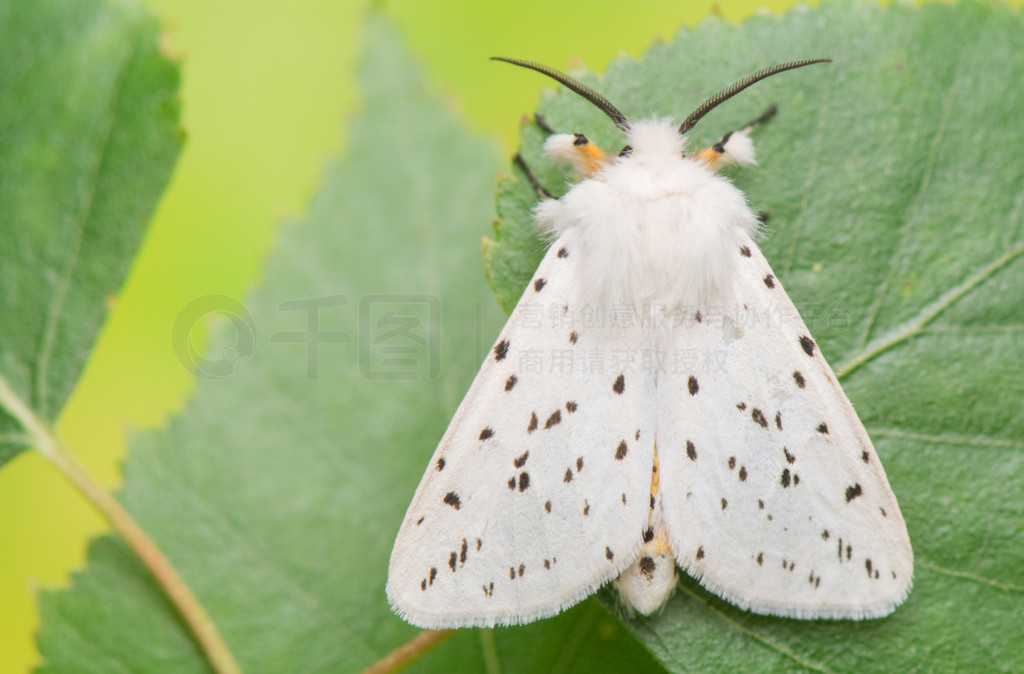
893,179
279,492
88,138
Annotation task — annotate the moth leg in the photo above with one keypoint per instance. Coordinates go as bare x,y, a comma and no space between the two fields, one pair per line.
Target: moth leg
543,124
736,147
541,190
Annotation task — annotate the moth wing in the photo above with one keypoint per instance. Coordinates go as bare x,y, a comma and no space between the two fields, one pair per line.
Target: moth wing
538,492
774,497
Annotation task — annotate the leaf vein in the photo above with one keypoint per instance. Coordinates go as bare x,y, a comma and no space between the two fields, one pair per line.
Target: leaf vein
74,248
928,314
763,640
948,438
915,205
1009,587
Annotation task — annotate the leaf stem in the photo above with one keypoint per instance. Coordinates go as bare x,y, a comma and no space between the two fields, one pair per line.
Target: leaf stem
409,651
191,611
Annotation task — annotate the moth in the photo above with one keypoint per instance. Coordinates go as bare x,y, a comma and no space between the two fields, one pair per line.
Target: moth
601,443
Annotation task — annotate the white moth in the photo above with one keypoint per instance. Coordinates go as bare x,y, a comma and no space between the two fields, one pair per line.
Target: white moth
654,400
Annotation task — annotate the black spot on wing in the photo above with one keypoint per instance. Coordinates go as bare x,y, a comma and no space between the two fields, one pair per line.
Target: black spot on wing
745,251
562,252
520,461
692,386
511,382
440,464
758,417
539,284
452,499
769,281
700,553
807,344
608,554
822,428
571,406
501,350
691,450
853,492
533,423
573,336
778,420
799,379
647,566
486,433
648,535
743,474
621,450
785,480
524,481
620,384
554,419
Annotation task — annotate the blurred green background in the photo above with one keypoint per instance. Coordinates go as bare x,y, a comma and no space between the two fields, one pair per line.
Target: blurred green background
267,87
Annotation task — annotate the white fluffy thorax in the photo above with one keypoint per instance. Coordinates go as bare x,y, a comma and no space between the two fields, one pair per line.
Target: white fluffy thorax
654,228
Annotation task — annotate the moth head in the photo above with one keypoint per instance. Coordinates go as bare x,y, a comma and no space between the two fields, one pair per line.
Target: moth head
619,119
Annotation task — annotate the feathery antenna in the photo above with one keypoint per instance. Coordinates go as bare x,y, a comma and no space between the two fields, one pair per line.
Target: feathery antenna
735,88
602,103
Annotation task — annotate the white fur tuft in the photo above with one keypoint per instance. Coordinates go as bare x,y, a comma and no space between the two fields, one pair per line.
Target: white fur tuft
659,229
655,137
561,149
739,149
